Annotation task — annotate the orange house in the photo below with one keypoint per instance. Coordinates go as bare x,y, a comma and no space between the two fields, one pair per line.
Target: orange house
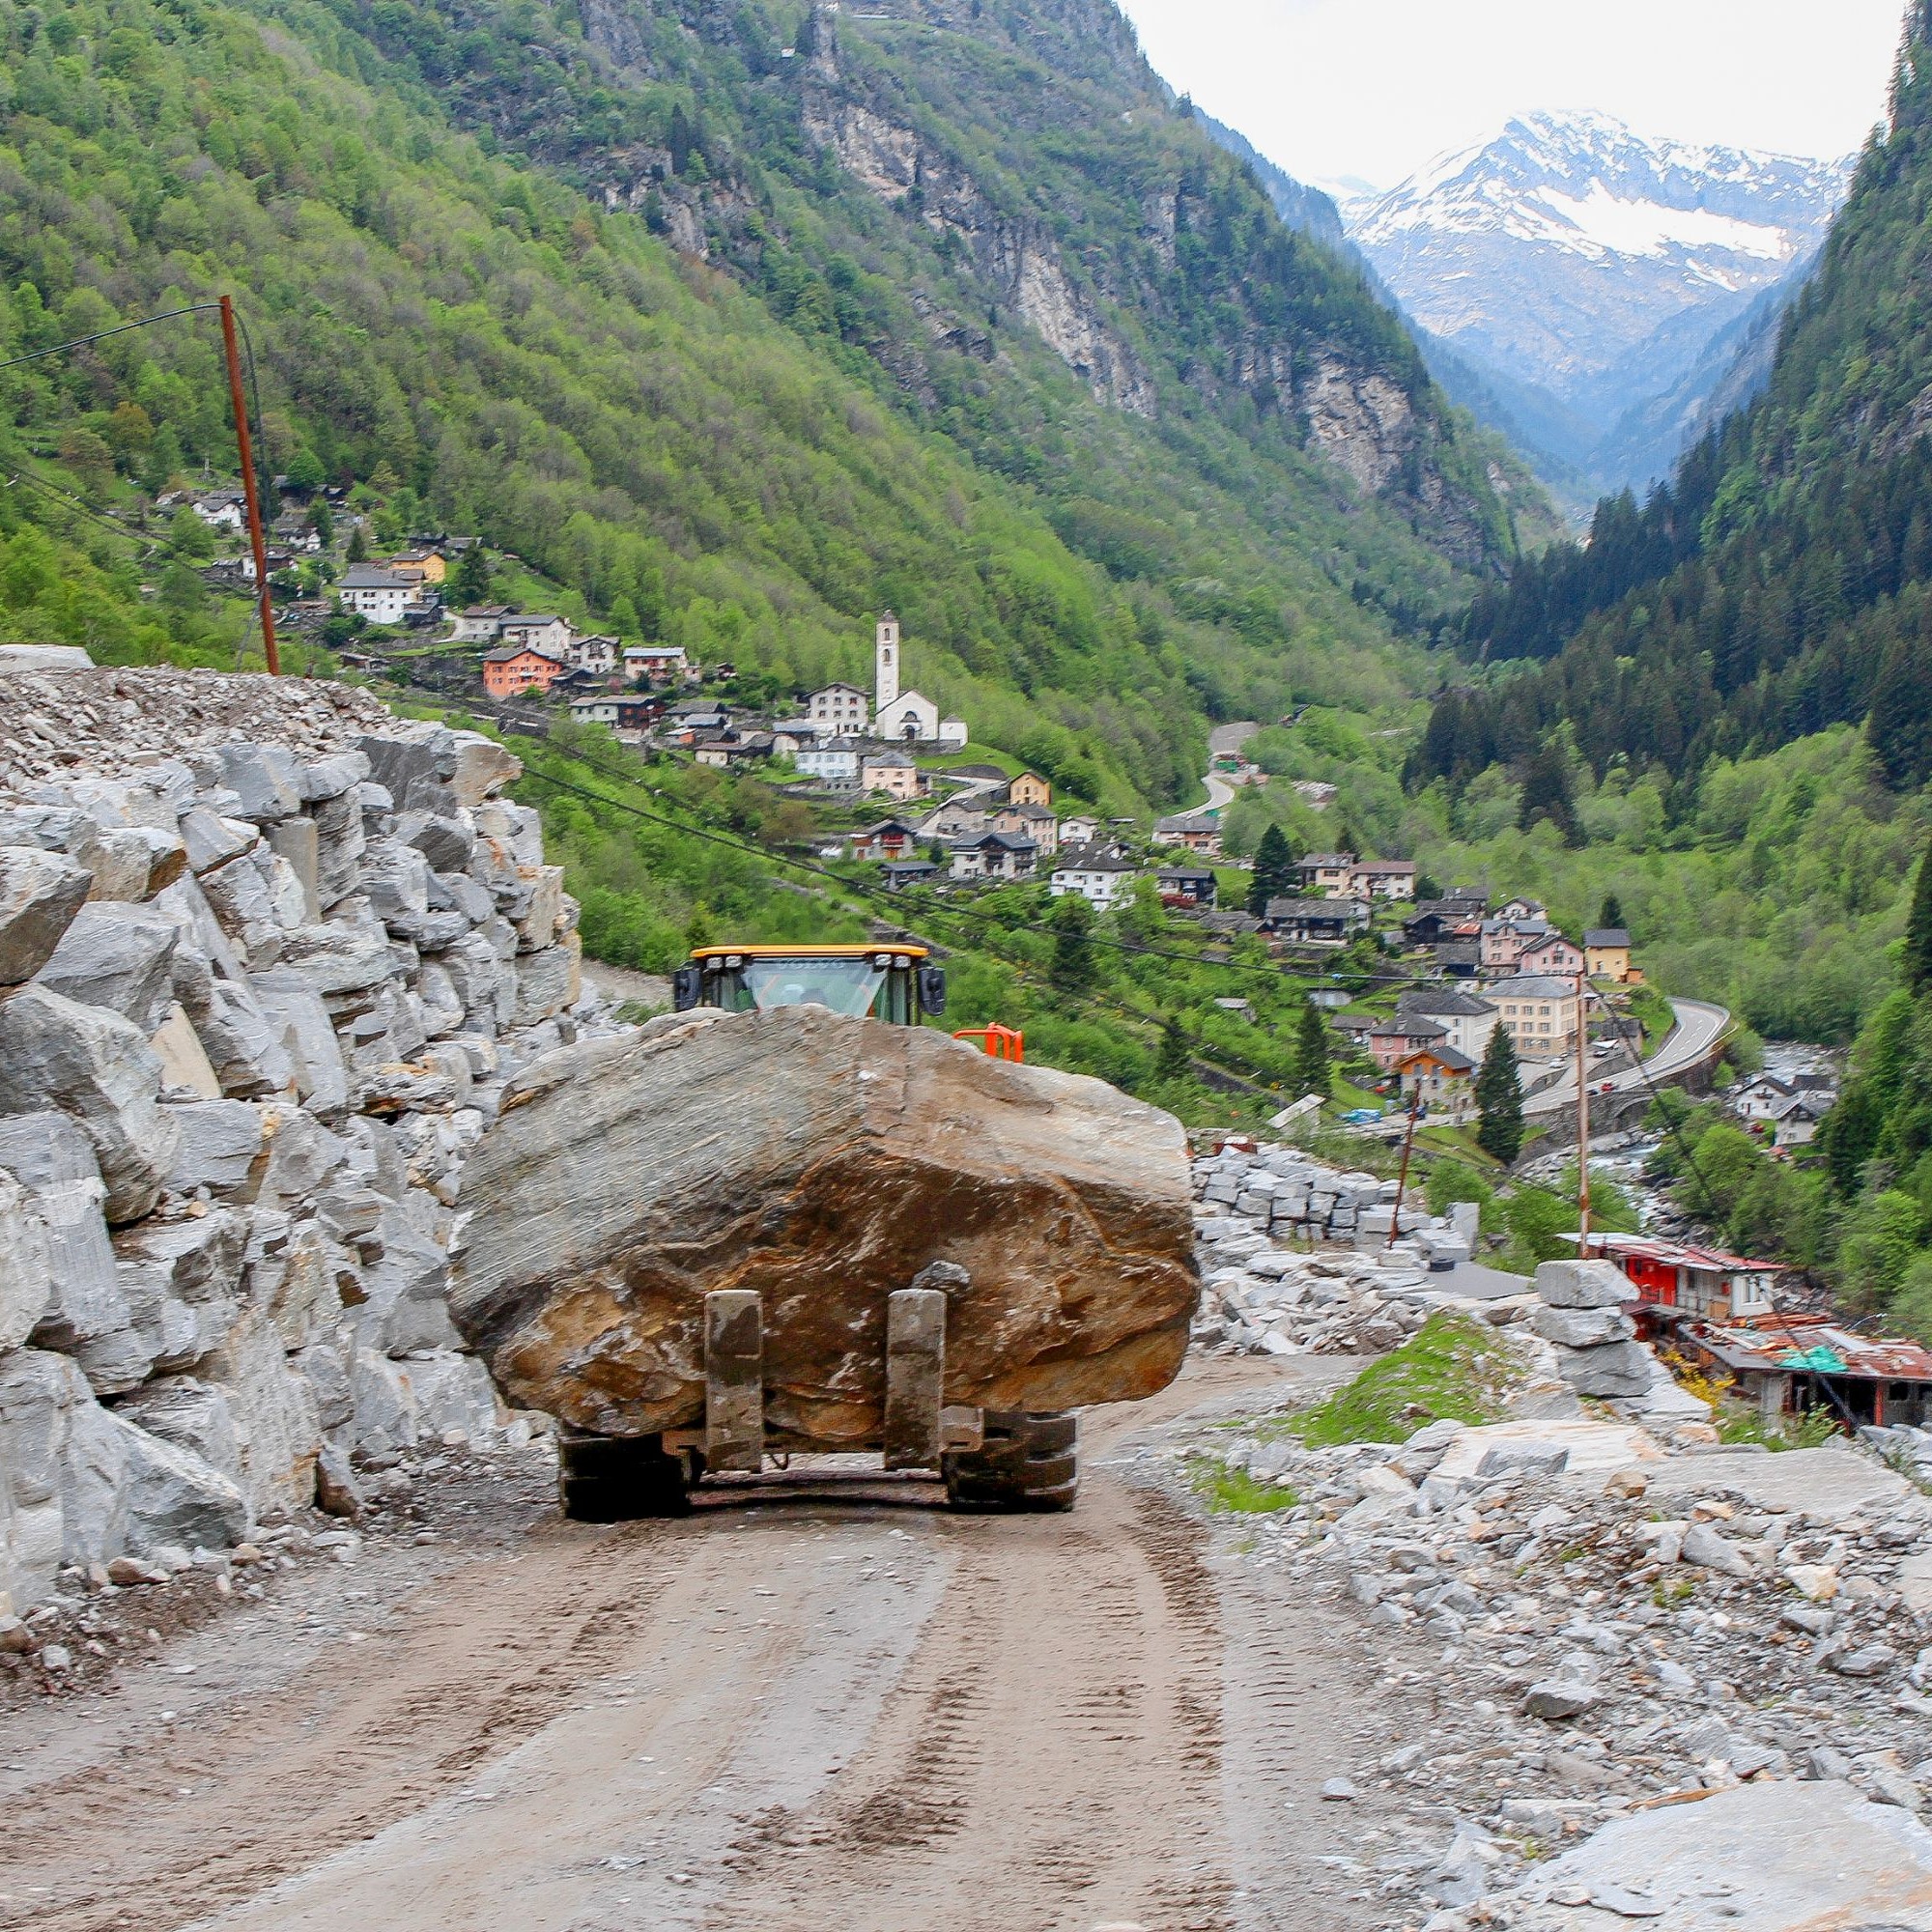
510,674
1027,789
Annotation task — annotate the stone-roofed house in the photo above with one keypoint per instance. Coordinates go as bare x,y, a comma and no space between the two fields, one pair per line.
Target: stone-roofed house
1316,922
1198,832
1606,954
994,855
382,596
1098,873
1394,1039
1468,1020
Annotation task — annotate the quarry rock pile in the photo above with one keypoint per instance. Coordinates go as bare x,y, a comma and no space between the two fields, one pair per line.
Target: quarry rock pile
268,957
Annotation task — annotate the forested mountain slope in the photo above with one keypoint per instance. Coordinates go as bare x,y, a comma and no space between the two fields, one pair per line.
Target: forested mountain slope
1778,586
634,294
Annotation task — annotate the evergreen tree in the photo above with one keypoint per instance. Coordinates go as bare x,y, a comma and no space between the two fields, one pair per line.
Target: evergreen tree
1072,968
1314,1064
1918,930
1900,725
357,550
1612,914
1172,1061
1274,872
1499,1101
1546,793
470,581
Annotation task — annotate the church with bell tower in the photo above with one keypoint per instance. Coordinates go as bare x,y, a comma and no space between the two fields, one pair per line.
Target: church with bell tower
905,717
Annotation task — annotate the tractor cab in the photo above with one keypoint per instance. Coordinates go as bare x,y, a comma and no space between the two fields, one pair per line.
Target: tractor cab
894,984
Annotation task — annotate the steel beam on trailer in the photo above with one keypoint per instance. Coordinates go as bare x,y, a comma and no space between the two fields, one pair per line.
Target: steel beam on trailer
915,1378
734,1379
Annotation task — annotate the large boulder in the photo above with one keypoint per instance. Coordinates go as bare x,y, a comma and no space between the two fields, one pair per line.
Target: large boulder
26,1278
96,1067
40,894
823,1162
119,957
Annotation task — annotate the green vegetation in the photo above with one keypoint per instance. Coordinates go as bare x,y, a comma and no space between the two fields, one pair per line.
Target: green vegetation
1500,1125
750,455
1230,1492
722,854
1454,1368
1741,1427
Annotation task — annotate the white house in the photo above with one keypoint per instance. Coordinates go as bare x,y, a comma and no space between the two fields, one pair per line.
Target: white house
598,655
994,855
551,635
1467,1020
1079,828
1099,877
480,624
838,710
1761,1097
594,710
832,761
378,595
223,509
1797,1121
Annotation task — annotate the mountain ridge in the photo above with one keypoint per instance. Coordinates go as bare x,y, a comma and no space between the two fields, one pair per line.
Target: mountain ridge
1590,269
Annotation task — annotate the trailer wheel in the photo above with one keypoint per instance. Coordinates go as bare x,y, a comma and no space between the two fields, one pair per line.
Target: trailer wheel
618,1478
1025,1462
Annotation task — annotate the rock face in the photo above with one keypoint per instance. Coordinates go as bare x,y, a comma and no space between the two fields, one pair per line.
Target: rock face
822,1162
232,1038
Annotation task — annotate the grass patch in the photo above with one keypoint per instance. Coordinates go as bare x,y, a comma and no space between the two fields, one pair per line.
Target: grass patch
1739,1428
1452,1368
1230,1492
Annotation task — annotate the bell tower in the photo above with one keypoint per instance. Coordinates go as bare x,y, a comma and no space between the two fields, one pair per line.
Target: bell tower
886,653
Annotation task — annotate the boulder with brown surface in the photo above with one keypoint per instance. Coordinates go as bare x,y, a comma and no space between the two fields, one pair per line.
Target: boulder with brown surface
823,1162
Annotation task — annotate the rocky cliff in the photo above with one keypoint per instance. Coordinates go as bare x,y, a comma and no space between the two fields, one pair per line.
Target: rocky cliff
268,956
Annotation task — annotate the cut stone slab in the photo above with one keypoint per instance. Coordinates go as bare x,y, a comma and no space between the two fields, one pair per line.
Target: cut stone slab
1829,1482
1583,1285
1788,1856
1582,1327
97,1067
1616,1369
39,895
623,1180
1590,1448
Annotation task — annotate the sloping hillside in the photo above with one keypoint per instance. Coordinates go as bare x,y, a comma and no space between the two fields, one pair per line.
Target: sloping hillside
634,296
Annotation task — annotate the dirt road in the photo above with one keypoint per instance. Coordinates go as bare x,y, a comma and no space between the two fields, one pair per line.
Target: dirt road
815,1715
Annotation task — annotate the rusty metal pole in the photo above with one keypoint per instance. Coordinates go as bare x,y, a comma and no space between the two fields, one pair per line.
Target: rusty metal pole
1401,1179
1582,1119
245,450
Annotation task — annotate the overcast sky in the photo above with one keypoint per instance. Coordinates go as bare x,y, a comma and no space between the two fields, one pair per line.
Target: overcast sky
1377,88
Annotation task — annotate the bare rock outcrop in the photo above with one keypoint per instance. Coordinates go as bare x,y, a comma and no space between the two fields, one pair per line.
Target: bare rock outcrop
823,1162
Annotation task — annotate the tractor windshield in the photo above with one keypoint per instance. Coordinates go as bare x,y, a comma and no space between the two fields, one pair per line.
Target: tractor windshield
847,986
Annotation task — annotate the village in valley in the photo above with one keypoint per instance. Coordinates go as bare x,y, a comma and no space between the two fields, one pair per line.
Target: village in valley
1441,970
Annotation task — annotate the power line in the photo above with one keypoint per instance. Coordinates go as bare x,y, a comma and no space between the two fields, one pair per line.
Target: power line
101,334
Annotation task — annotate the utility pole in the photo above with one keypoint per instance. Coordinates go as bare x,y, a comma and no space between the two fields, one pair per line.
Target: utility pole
1582,1121
1401,1179
245,449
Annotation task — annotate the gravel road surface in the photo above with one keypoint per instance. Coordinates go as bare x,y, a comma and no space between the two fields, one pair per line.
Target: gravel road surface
818,1712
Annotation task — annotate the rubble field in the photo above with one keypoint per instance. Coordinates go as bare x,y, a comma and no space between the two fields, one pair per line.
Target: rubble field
1586,1610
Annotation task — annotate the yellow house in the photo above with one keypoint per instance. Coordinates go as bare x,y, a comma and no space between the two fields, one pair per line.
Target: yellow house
1026,789
429,561
1606,955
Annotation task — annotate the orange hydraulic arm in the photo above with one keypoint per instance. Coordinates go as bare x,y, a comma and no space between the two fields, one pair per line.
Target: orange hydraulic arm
1000,1042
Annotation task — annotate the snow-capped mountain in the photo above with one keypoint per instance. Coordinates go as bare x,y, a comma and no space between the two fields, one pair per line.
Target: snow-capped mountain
1592,264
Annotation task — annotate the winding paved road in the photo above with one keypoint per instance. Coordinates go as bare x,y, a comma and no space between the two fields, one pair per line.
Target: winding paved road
1698,1029
1224,738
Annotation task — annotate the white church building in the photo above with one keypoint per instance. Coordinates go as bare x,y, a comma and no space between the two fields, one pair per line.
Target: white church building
906,716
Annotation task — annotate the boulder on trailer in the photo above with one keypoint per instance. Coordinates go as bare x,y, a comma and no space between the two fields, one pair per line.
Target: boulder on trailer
734,1234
